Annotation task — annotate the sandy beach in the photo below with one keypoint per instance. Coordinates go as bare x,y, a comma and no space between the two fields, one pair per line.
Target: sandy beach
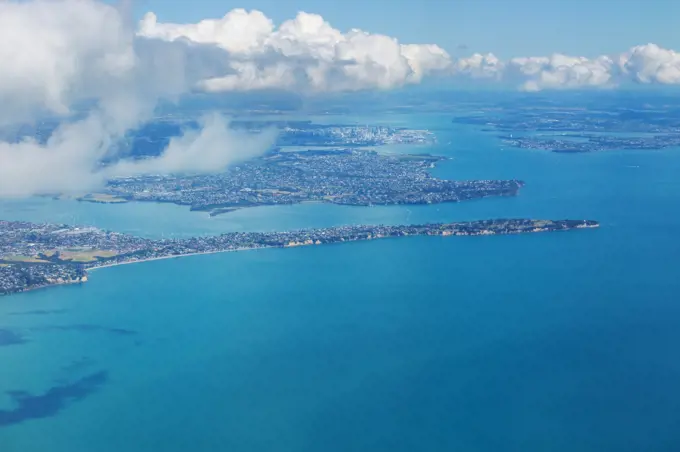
174,256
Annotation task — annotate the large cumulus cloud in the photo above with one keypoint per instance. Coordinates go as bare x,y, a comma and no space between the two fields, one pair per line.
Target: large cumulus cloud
52,53
307,54
644,64
303,53
562,72
651,64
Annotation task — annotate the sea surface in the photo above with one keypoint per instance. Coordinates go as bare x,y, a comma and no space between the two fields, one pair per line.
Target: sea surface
542,342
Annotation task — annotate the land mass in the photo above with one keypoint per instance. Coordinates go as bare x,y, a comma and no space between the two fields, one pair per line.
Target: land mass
354,177
40,255
568,130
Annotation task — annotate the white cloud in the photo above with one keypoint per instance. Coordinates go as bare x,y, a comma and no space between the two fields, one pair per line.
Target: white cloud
562,72
57,54
646,64
303,53
54,53
651,64
66,163
209,149
480,66
307,53
238,31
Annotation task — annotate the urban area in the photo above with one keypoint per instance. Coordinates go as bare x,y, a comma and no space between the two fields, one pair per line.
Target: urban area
345,176
38,255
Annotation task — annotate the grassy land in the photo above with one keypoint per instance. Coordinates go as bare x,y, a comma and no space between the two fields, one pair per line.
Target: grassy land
420,157
102,197
85,255
273,191
74,255
25,259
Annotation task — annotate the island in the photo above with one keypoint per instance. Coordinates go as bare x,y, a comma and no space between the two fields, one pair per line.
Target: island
40,255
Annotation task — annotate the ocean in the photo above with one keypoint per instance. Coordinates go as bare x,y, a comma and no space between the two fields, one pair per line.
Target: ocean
560,342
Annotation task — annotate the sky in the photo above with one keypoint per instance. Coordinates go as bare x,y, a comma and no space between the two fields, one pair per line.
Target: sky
507,28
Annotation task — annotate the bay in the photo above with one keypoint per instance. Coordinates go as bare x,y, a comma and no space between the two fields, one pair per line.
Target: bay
561,341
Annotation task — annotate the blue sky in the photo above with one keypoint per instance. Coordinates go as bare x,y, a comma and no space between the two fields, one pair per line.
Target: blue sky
505,27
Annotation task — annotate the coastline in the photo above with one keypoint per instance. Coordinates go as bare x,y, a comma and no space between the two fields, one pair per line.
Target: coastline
92,269
297,245
46,286
219,209
483,228
174,256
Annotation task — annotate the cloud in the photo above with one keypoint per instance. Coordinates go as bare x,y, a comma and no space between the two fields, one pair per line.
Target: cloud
305,53
60,54
209,149
67,162
55,53
651,64
562,72
486,66
239,31
645,64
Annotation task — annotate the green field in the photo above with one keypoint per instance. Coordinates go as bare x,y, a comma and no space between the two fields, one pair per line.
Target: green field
84,256
24,259
102,198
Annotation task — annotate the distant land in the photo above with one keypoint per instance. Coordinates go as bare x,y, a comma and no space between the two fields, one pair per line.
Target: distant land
40,255
571,130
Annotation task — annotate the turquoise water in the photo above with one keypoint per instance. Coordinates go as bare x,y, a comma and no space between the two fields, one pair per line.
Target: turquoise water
557,342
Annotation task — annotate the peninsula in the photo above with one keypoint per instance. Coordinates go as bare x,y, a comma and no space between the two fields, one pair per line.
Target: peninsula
356,177
39,255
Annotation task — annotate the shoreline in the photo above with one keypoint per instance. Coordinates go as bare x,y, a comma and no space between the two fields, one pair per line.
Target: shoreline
201,253
88,271
45,286
174,256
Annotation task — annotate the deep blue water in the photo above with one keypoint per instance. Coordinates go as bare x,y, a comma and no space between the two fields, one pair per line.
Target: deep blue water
557,342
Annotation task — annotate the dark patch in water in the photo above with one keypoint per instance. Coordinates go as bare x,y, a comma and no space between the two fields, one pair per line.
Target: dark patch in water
78,365
40,312
8,337
28,406
87,328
